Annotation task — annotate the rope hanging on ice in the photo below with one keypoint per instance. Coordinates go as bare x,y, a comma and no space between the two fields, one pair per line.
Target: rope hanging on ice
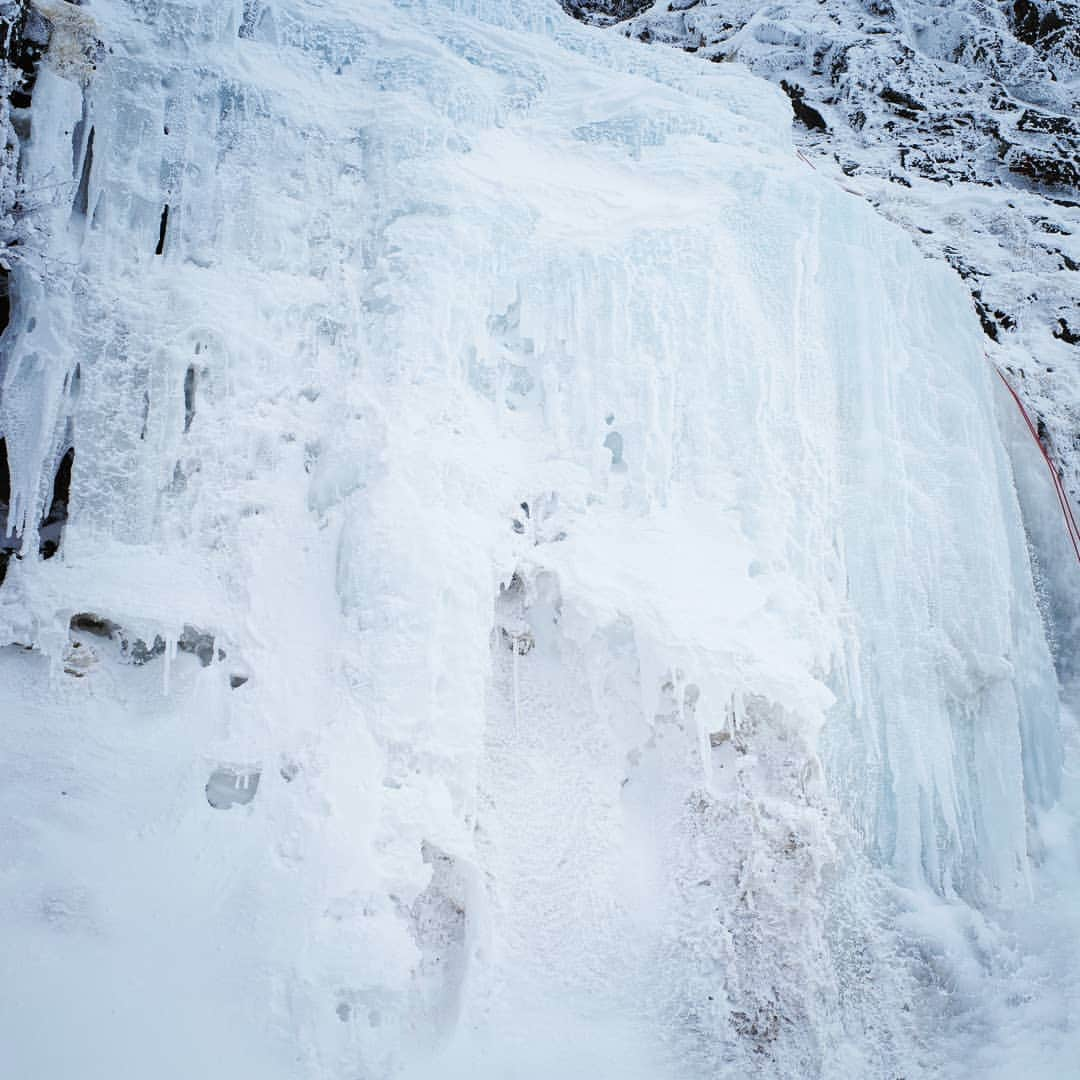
1063,498
839,183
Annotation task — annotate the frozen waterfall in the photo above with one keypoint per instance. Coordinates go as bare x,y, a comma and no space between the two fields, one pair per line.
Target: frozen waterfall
539,588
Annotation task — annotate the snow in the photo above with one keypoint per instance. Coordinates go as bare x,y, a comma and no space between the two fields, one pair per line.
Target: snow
626,654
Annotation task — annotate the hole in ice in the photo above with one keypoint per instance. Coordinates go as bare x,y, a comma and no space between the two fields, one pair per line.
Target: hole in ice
162,228
609,419
289,771
52,524
89,623
344,1011
613,441
190,379
82,194
228,787
236,681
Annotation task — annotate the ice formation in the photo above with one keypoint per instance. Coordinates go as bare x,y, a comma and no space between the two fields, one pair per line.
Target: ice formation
954,118
577,545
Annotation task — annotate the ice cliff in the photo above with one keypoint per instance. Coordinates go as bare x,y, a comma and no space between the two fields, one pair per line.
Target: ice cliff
955,118
507,574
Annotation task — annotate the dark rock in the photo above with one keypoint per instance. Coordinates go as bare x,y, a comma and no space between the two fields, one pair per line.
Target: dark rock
1052,227
1033,23
604,12
990,328
1066,333
1048,124
51,529
807,115
903,100
1045,169
141,653
197,642
24,37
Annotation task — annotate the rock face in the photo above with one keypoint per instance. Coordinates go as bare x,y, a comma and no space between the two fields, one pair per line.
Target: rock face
508,571
958,120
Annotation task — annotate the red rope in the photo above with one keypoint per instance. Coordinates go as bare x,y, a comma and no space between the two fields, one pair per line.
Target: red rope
839,183
1063,498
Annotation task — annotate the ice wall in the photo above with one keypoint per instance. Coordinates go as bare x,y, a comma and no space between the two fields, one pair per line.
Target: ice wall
541,591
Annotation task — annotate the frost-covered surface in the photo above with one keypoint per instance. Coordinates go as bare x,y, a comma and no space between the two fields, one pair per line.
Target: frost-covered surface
531,600
958,120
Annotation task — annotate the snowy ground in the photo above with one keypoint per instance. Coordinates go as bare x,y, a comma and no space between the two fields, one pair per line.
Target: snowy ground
535,602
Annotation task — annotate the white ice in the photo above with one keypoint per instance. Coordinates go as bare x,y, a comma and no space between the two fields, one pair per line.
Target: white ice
607,525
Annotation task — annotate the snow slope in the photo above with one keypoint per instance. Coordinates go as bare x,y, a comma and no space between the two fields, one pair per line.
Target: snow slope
543,591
